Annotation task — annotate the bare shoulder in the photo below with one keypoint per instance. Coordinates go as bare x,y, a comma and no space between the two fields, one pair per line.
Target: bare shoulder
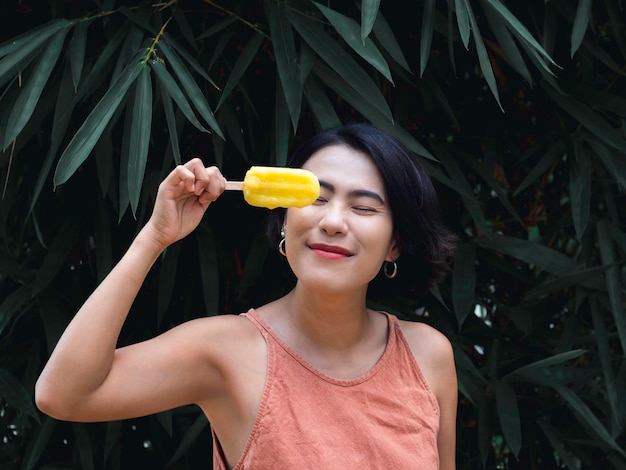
433,353
227,333
424,339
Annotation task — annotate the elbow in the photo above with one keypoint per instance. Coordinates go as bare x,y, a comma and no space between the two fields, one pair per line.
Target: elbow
50,401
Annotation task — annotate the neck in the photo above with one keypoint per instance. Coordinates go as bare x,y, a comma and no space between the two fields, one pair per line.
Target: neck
335,322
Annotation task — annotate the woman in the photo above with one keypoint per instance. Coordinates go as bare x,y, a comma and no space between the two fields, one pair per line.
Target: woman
314,379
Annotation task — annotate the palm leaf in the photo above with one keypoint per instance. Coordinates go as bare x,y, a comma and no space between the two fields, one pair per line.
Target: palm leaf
88,134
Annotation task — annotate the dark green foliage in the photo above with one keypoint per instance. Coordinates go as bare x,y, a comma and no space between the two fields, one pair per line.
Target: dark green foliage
517,110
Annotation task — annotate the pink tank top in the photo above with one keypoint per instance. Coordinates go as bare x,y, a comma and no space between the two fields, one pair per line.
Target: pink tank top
386,419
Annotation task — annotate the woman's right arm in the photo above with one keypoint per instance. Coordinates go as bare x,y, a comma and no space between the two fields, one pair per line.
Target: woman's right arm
86,378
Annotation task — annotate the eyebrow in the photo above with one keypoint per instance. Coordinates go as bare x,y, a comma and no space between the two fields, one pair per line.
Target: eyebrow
355,192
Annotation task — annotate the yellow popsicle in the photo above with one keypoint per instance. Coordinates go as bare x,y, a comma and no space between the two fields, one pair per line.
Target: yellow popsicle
271,187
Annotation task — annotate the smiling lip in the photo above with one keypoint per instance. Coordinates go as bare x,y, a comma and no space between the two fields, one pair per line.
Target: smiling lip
330,251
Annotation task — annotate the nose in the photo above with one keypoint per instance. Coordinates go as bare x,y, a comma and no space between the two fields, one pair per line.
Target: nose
333,219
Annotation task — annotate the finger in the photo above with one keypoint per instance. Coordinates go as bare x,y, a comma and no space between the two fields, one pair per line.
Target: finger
215,185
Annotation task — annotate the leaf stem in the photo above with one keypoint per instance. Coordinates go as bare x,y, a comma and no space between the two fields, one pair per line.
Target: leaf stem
152,47
232,13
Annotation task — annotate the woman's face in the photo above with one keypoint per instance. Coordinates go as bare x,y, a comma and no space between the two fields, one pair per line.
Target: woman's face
340,241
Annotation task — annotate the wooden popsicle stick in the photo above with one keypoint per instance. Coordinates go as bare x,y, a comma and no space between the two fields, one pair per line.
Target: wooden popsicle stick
234,185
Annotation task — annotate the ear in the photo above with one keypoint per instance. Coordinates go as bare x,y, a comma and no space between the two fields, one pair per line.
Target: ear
393,253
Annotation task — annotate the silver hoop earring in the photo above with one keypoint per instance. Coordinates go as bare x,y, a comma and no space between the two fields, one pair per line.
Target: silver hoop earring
390,269
281,246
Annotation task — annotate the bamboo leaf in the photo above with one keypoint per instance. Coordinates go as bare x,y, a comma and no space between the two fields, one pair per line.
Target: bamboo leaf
369,12
240,67
111,438
365,107
285,51
77,47
170,87
508,415
167,278
20,51
581,20
185,27
191,88
462,186
548,362
586,416
349,30
189,438
506,42
84,446
88,134
553,154
96,73
281,125
13,305
38,34
320,105
615,164
565,281
463,281
588,118
139,136
428,26
170,118
207,258
386,38
483,57
462,21
541,256
519,30
605,358
232,125
613,282
558,443
60,122
341,62
580,188
40,443
57,254
29,96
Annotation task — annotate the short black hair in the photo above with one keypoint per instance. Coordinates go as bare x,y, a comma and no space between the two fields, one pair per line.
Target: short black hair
425,243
